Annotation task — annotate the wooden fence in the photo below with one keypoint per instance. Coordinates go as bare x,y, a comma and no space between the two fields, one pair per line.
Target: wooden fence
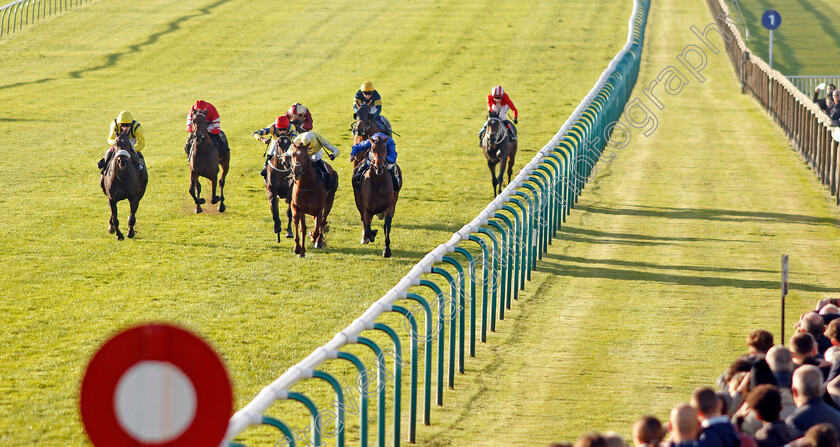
805,125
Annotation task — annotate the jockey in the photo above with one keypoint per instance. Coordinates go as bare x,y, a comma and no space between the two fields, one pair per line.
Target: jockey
135,134
214,129
498,101
300,117
274,130
316,145
368,97
390,158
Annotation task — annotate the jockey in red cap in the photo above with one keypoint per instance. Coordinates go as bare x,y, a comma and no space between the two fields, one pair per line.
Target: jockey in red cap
269,135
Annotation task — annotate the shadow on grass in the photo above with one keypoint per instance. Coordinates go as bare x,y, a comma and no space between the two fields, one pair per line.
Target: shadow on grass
712,214
642,237
684,280
619,262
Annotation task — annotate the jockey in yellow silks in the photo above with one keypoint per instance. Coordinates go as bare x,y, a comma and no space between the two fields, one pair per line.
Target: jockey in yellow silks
316,144
122,123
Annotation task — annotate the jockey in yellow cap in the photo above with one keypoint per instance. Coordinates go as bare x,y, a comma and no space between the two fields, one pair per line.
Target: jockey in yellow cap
316,144
368,97
122,123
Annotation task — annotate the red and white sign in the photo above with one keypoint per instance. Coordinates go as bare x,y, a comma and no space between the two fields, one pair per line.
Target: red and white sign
156,384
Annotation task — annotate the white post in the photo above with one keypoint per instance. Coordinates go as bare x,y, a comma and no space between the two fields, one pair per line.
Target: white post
771,49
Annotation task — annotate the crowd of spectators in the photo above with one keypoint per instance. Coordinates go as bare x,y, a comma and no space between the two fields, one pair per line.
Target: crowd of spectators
830,104
772,396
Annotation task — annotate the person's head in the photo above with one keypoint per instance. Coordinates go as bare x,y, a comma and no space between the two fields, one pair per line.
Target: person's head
498,93
813,324
593,439
807,384
200,105
833,332
836,95
282,123
647,430
683,423
741,364
830,89
766,400
779,359
832,355
124,120
367,89
830,309
614,439
821,435
705,401
802,346
297,111
759,341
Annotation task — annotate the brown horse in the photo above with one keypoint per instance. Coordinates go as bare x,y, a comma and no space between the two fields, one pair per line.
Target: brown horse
278,184
122,180
376,195
205,162
498,149
309,196
365,127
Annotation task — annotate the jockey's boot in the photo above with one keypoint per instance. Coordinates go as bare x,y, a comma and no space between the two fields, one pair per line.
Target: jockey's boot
395,177
512,131
264,171
136,159
189,144
220,141
321,169
103,163
481,133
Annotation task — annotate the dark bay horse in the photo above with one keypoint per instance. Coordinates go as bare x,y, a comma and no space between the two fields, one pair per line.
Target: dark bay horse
364,128
278,184
375,194
205,162
309,196
498,150
122,180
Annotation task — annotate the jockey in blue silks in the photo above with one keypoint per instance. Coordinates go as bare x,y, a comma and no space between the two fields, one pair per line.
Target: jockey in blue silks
390,157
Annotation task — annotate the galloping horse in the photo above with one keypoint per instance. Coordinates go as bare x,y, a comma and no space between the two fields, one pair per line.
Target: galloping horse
364,128
309,196
205,162
498,149
376,195
278,184
122,180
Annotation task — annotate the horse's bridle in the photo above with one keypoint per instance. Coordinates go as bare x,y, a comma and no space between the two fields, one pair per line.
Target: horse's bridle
298,164
199,135
279,153
502,134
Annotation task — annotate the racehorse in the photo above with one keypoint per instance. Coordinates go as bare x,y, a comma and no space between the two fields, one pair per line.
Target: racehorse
309,196
205,162
122,180
365,127
278,184
375,194
498,149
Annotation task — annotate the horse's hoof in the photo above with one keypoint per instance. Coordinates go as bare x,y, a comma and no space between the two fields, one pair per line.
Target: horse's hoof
302,255
112,229
198,210
365,241
317,245
278,238
373,235
215,200
387,252
202,201
131,233
297,249
120,236
222,208
289,235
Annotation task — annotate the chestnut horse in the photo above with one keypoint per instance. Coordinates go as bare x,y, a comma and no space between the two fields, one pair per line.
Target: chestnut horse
205,162
365,127
122,180
278,184
376,195
498,149
309,196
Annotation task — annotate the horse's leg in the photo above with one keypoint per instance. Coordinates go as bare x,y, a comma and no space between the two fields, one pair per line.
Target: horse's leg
115,222
492,175
296,216
275,215
195,191
502,165
302,220
132,216
386,227
225,164
369,235
511,158
289,234
214,199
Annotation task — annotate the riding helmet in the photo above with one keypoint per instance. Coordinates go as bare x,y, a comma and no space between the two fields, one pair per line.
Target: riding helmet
367,86
125,118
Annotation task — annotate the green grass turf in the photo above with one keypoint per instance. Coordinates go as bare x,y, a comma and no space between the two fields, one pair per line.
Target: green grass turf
67,285
806,41
671,257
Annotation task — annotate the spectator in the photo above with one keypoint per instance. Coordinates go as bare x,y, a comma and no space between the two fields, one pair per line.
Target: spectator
834,111
593,439
759,341
821,103
766,403
821,435
614,439
684,426
804,350
810,407
780,361
812,323
647,432
828,309
718,431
